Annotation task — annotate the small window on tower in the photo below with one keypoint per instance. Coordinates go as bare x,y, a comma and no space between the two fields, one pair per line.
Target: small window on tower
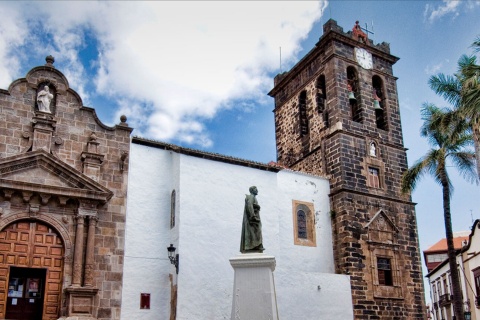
384,268
373,177
321,95
304,224
302,105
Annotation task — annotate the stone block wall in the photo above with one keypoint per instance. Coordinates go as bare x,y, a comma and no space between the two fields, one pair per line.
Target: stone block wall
75,170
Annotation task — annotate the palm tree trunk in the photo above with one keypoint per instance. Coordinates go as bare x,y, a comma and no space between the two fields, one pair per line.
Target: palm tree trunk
476,142
452,257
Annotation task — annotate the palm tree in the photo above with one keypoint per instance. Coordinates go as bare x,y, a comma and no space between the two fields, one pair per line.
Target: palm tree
449,144
463,91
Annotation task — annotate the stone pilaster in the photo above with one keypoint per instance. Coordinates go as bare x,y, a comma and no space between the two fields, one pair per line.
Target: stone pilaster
78,255
89,257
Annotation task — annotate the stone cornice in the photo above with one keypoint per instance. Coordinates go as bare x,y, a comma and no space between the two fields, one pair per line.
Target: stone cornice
257,260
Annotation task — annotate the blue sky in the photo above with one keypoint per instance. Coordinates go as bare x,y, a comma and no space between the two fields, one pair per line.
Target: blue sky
197,73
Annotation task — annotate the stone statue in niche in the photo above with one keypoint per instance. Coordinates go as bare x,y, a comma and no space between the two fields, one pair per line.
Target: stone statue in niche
251,240
373,149
44,98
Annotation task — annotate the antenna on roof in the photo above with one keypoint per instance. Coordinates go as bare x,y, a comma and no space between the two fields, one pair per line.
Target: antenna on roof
471,215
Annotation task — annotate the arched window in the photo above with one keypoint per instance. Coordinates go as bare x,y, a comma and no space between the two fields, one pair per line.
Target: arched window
301,224
353,94
302,105
321,94
379,102
304,224
172,209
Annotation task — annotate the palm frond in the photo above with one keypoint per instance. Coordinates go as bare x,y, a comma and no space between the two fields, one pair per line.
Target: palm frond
476,44
447,87
465,164
424,165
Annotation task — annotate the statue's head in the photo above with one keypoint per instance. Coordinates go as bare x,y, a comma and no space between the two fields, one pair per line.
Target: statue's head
253,190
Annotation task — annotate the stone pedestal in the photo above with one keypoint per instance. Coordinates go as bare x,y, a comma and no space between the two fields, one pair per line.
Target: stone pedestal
254,288
80,301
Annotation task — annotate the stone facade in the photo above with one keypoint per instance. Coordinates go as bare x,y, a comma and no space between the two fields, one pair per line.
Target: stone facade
63,176
322,129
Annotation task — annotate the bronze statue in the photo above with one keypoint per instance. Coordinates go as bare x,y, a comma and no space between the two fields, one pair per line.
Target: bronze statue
251,240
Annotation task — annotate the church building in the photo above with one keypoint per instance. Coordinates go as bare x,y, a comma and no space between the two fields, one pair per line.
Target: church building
96,224
63,183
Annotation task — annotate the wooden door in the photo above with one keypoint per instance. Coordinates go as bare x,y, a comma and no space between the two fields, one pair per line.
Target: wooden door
32,244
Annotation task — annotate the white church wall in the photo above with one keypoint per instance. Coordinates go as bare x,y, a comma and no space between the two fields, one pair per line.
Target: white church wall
146,267
210,203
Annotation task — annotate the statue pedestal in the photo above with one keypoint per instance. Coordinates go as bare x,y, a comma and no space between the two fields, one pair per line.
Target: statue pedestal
254,289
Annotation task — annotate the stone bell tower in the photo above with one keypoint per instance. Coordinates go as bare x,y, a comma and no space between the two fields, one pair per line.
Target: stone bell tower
337,114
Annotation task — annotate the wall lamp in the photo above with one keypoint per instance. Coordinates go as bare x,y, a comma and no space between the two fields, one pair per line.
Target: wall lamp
173,257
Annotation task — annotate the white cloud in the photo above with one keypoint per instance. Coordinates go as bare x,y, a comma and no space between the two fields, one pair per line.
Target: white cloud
13,34
186,60
433,69
433,13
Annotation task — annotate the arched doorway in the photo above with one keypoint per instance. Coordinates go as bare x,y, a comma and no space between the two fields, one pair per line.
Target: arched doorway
31,266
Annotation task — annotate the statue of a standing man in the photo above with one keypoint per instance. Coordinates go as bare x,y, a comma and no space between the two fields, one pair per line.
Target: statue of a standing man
251,240
44,98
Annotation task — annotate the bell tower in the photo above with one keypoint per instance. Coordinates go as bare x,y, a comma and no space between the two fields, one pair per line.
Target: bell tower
337,115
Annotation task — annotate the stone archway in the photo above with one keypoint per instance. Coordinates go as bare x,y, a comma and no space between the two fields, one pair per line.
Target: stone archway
32,244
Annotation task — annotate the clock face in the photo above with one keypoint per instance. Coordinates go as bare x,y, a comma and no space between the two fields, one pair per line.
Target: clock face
364,58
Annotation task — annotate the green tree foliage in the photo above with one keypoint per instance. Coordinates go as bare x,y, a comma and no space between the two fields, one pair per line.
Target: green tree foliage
462,90
450,143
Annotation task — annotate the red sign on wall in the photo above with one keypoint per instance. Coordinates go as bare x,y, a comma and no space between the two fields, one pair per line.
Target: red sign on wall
144,300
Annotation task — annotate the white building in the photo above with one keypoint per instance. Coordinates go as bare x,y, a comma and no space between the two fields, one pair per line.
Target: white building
468,262
195,201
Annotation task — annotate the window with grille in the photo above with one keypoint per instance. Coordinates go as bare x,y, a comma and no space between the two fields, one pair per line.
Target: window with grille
302,104
304,224
321,95
373,177
476,277
384,268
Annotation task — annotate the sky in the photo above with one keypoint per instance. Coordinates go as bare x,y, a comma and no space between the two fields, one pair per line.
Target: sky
197,73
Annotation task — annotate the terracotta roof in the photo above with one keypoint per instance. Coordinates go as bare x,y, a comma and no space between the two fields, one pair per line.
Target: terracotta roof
442,244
